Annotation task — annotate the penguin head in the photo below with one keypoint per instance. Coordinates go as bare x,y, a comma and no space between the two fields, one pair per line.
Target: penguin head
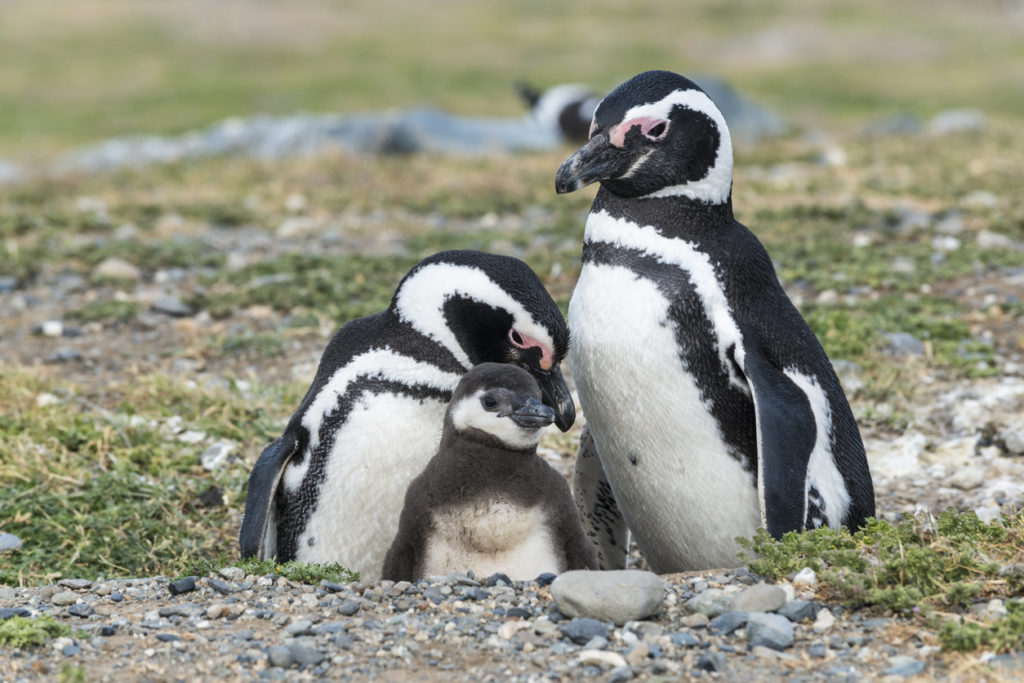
499,404
656,135
486,308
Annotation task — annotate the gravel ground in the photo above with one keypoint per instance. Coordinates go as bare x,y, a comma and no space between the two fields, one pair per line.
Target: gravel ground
456,628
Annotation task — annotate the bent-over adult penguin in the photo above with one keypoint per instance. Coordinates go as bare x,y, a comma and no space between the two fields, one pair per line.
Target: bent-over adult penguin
486,502
712,406
565,109
330,488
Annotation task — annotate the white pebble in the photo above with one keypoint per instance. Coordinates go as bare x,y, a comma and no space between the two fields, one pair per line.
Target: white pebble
601,658
824,621
805,578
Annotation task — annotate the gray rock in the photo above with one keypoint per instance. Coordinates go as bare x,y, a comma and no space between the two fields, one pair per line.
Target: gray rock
769,630
182,585
903,344
63,355
170,305
616,596
221,587
64,598
350,607
711,661
712,602
799,610
1013,661
114,268
75,584
70,650
620,673
957,121
217,456
683,639
818,651
8,284
761,597
582,630
304,655
9,542
81,610
904,665
727,622
281,656
302,627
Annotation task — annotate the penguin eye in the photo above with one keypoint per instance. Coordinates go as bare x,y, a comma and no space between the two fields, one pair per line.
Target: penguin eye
489,402
516,338
654,130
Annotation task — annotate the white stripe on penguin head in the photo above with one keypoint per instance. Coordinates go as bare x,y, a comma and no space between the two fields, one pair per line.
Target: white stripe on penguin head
421,299
715,186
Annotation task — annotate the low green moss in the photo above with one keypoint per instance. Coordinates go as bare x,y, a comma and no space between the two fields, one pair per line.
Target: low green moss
31,632
914,564
302,572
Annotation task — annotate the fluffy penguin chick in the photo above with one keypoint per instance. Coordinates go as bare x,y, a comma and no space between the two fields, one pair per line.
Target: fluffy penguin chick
735,416
486,501
330,488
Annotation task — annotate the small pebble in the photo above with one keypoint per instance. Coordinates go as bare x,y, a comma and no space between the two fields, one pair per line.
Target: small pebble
182,585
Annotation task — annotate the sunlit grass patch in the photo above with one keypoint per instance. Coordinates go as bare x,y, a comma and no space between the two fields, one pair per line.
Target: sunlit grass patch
117,491
19,632
919,567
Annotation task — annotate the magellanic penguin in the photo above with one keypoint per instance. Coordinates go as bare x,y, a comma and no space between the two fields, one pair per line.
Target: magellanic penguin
712,406
486,502
330,489
565,110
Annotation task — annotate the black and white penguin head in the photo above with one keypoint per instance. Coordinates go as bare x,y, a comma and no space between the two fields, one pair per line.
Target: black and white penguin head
486,308
499,404
656,135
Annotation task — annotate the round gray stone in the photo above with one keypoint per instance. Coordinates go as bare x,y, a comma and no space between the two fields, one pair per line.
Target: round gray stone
769,630
711,602
281,656
9,542
904,665
304,655
64,598
582,630
616,596
761,597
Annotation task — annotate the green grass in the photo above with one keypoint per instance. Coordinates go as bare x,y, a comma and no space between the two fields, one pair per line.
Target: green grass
922,567
21,632
111,69
302,572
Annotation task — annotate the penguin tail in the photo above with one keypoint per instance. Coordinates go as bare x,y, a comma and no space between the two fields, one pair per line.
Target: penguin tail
527,93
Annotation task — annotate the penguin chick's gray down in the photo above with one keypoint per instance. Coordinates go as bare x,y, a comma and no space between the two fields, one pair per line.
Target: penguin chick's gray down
487,502
330,489
736,419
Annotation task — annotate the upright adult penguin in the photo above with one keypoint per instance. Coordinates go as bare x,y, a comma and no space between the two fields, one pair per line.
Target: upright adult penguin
330,489
712,406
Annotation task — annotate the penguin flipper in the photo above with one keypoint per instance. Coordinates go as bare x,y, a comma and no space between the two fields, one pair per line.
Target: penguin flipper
786,432
603,522
255,536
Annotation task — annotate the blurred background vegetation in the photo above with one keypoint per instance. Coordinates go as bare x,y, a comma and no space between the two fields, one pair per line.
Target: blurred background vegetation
77,71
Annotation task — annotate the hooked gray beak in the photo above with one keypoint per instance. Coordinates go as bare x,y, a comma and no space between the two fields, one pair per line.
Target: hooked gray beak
557,396
594,161
531,414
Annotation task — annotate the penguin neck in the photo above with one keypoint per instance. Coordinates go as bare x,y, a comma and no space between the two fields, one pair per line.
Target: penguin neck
672,216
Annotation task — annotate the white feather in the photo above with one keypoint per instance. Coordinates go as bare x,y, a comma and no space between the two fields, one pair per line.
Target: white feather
602,227
715,186
681,500
361,497
822,472
422,297
469,413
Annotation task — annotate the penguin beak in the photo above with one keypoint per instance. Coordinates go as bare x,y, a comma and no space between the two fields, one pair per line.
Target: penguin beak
557,396
596,160
531,414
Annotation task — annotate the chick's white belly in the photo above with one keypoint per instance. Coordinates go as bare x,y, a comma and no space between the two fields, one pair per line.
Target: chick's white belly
684,497
384,444
490,537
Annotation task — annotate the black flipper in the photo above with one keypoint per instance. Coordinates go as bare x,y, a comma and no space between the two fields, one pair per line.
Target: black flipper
786,432
603,523
259,501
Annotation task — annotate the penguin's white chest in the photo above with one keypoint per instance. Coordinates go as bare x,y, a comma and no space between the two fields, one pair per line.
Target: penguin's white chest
490,537
385,442
684,497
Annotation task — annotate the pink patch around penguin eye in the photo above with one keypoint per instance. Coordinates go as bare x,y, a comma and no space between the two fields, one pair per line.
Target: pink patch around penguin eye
525,341
652,128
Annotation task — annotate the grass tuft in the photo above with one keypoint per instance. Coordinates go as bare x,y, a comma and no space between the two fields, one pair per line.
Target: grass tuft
21,632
